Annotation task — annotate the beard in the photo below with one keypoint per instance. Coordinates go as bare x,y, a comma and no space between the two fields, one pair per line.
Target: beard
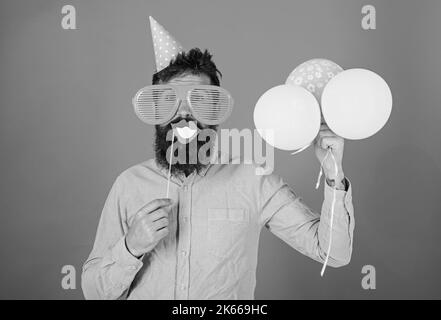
162,145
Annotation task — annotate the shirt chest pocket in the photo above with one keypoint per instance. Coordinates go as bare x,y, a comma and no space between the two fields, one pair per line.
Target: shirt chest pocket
227,231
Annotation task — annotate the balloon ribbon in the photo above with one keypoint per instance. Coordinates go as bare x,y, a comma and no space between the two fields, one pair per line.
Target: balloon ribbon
325,263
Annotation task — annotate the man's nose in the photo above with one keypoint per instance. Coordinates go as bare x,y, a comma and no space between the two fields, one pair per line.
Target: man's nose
184,109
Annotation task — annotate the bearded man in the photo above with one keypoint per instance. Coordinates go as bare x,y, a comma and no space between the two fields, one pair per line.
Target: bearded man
201,242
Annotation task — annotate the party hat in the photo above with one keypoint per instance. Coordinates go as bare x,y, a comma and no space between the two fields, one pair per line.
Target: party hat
165,45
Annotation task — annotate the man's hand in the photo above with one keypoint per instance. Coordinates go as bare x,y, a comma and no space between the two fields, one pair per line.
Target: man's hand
326,139
148,227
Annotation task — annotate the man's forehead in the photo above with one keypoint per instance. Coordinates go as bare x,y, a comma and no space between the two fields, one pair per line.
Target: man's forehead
190,79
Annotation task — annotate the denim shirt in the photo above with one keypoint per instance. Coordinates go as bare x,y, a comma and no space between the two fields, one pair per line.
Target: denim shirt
211,249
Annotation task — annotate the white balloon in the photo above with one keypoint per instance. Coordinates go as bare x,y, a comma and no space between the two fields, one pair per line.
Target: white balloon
356,103
287,117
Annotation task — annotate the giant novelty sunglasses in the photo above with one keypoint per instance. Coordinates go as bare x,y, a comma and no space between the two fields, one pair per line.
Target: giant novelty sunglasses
158,104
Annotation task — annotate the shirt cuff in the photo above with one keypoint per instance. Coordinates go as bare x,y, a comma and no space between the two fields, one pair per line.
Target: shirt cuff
128,265
341,197
331,188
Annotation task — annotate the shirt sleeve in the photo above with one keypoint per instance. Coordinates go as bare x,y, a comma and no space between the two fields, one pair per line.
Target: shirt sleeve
289,218
110,268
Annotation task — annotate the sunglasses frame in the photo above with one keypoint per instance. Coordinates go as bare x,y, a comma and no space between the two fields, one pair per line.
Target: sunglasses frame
179,90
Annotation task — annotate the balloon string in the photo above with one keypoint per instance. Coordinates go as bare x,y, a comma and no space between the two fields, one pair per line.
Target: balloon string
301,149
170,163
332,217
317,185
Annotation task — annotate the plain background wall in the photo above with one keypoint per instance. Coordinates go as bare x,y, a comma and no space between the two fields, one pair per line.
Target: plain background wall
67,130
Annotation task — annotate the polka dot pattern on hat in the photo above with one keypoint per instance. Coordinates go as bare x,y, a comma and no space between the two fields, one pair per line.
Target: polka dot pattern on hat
166,47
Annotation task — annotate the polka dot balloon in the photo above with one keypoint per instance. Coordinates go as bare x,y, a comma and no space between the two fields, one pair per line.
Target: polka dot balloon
313,75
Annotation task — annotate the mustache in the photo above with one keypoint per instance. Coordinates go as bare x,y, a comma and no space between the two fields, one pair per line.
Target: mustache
187,119
162,130
178,119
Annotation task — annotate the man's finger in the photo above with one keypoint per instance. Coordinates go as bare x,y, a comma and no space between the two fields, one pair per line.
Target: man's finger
161,223
162,232
150,207
327,142
158,214
156,204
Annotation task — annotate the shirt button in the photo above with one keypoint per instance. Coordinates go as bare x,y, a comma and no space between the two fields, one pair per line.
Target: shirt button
184,188
185,219
184,253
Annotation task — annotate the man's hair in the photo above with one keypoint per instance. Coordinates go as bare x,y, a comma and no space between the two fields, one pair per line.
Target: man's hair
192,62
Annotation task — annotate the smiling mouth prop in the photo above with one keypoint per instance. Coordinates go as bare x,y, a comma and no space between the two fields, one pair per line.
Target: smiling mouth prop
185,131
